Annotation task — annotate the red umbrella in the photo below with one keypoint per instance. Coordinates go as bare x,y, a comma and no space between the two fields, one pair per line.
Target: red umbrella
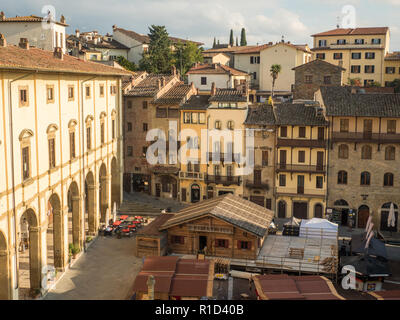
123,217
117,223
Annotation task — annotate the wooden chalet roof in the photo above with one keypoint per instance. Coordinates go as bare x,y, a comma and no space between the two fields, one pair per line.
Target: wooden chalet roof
232,209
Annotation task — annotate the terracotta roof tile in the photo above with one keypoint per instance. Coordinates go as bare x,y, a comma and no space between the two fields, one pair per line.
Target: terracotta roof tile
228,95
152,228
356,31
228,50
31,18
175,95
298,114
215,68
261,115
148,87
395,56
255,49
13,57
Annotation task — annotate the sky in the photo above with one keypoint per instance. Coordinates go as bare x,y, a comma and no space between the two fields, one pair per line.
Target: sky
202,20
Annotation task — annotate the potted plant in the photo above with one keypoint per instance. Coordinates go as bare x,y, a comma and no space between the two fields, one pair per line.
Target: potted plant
73,250
88,239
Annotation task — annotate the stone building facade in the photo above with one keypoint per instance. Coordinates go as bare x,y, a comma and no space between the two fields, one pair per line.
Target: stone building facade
310,76
60,161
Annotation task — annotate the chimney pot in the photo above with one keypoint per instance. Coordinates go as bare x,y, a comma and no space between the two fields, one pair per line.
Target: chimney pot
77,33
24,43
3,41
159,83
2,16
58,53
213,89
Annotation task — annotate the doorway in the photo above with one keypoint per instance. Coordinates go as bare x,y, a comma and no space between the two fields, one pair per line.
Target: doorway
362,217
195,193
300,210
202,243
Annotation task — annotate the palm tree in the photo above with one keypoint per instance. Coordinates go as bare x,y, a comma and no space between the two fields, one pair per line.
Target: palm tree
275,70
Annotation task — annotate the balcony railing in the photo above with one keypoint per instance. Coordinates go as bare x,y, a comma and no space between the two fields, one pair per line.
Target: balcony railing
301,191
257,184
281,167
224,180
223,157
307,143
191,175
365,137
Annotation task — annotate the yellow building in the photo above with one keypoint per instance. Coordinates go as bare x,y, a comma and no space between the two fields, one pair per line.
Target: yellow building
361,51
301,159
392,68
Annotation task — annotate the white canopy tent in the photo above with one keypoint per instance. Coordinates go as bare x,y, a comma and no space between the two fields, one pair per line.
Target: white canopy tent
318,228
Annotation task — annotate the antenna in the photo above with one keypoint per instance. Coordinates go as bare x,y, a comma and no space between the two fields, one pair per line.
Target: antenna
338,22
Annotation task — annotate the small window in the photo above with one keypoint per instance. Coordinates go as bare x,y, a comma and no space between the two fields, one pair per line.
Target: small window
321,56
70,93
72,145
144,104
102,90
391,126
388,180
359,41
129,151
302,132
365,178
343,151
308,79
202,118
129,104
322,43
245,245
177,239
344,125
302,156
145,127
283,132
366,152
194,117
87,92
356,55
390,153
50,94
113,90
52,153
23,96
222,243
282,180
337,55
370,55
327,80
218,125
186,117
319,182
230,125
341,41
264,162
113,129
129,128
25,163
89,138
102,133
203,81
369,69
355,69
376,41
390,70
342,177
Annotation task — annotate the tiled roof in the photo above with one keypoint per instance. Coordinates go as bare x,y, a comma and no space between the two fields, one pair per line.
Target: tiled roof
232,209
175,95
255,49
260,115
196,102
152,228
149,86
320,62
340,101
395,56
13,57
356,31
215,68
145,38
113,44
213,54
228,50
298,114
228,95
31,18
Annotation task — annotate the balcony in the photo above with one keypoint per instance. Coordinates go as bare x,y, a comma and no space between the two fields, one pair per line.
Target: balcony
224,180
213,157
252,184
301,143
281,167
300,191
365,137
191,175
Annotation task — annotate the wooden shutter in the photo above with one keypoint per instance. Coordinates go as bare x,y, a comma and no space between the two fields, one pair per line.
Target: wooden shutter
216,243
226,243
182,240
238,244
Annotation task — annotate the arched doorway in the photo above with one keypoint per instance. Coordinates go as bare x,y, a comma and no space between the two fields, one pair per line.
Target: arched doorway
318,209
281,209
385,209
341,207
90,205
74,215
169,187
195,193
362,216
4,270
103,193
55,233
29,257
115,184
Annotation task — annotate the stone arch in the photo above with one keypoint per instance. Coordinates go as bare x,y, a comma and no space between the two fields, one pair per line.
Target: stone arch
4,269
103,193
115,184
55,231
195,193
90,204
29,259
51,128
74,215
26,133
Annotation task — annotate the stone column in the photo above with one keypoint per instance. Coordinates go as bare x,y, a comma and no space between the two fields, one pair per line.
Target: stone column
104,185
34,258
76,221
58,239
92,214
5,277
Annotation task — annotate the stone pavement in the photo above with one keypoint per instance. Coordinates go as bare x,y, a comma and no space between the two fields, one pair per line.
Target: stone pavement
161,203
106,272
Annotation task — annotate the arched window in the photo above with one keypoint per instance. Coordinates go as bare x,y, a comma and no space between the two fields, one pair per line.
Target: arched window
189,167
390,153
281,209
366,152
342,177
318,210
343,151
365,178
388,179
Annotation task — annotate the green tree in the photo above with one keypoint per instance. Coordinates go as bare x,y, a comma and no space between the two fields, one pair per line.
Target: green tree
237,42
396,85
231,41
159,57
214,43
186,55
274,71
243,41
355,82
123,62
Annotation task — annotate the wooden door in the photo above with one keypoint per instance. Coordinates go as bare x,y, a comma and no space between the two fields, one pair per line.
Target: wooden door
282,209
320,160
362,216
367,129
282,159
300,184
321,133
183,194
300,210
174,190
158,190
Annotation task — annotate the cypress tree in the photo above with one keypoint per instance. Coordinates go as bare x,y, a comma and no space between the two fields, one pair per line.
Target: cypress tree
243,41
237,42
214,43
231,41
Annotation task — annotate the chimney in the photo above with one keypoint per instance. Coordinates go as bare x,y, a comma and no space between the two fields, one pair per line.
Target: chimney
173,70
24,43
214,66
159,84
95,40
114,27
150,287
2,16
213,89
62,19
58,53
3,41
77,33
162,81
270,43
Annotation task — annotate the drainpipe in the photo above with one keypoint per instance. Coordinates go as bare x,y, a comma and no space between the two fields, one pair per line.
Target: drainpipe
11,133
83,154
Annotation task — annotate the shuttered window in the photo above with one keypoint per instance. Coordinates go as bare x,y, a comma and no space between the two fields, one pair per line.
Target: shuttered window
25,163
52,153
